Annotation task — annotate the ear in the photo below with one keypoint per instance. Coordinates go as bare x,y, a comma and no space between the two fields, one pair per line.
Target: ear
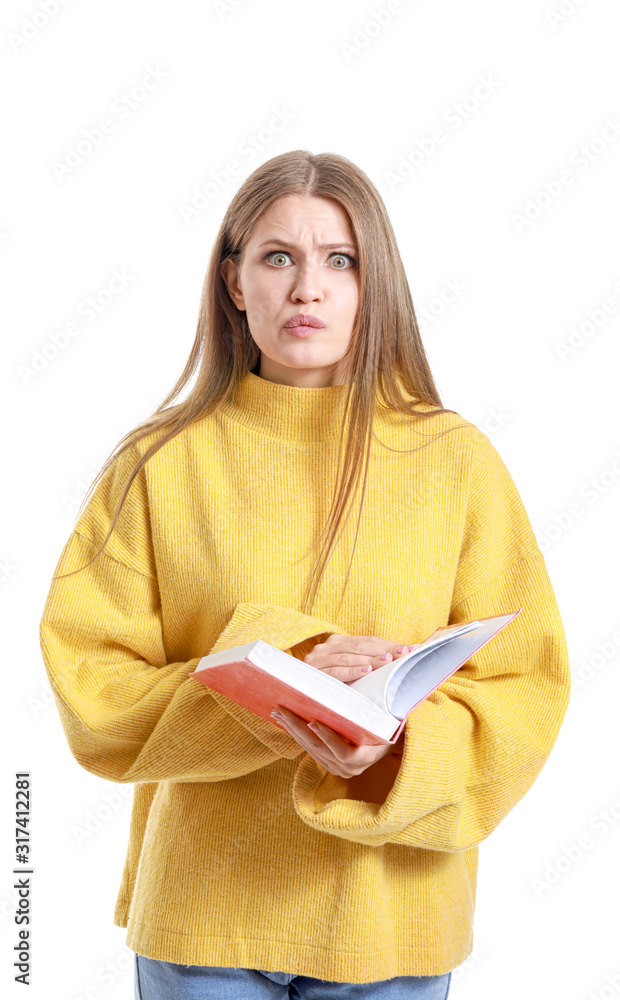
230,274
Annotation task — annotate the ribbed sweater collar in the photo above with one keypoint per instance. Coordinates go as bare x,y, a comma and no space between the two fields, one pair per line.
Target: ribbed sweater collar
286,411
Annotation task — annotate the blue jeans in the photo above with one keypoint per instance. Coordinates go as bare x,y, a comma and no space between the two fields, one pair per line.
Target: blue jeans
155,980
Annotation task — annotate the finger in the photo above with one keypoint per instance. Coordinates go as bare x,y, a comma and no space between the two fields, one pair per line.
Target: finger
352,649
357,645
298,729
329,749
312,743
335,741
342,748
294,723
299,725
326,736
348,663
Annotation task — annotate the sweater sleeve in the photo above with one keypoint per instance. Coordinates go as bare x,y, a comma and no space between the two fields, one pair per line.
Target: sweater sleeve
475,746
128,714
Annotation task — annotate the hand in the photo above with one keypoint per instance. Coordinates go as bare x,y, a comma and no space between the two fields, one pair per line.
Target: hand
330,749
344,656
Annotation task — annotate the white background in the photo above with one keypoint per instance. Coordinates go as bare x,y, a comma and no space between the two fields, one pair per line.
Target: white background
527,350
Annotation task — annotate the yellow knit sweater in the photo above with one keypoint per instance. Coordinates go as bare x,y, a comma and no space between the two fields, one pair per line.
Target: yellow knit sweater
242,850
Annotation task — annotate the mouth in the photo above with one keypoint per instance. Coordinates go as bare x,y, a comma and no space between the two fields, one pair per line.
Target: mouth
303,324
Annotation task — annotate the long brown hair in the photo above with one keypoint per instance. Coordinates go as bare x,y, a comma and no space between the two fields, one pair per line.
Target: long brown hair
385,354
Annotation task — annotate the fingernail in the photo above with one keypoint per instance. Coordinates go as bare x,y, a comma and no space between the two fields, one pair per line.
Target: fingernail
385,656
366,668
313,727
401,649
277,716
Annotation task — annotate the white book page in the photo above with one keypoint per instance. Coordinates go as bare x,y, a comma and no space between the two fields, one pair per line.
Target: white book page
407,689
398,687
379,685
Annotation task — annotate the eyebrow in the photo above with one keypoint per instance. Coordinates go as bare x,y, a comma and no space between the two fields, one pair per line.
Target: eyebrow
321,246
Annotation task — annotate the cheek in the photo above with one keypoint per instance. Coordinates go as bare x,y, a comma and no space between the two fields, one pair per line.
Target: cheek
262,305
347,293
264,301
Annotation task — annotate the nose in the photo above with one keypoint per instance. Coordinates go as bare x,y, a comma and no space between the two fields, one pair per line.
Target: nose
307,287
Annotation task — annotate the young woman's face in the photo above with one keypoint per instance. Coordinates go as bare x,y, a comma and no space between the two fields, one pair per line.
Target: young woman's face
286,270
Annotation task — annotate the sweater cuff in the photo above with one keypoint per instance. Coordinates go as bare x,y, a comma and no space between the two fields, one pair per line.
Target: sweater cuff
426,780
285,629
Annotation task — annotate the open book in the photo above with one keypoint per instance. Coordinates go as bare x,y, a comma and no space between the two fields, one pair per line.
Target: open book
369,711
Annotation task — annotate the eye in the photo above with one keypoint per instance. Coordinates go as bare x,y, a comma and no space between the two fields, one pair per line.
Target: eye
275,253
279,254
344,256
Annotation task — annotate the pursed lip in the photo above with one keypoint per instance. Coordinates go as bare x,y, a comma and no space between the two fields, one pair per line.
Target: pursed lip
304,319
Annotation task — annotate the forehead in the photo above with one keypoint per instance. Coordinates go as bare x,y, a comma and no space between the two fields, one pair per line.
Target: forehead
297,216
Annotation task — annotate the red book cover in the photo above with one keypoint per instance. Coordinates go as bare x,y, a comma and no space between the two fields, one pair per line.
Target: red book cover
248,685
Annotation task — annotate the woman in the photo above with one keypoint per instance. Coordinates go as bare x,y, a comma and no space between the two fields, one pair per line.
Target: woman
273,859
